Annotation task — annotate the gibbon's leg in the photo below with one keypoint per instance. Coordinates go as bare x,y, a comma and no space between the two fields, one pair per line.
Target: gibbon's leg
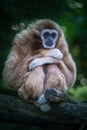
54,78
33,83
65,65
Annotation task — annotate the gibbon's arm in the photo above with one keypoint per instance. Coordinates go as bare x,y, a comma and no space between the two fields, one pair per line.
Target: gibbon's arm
50,57
42,61
65,64
16,65
15,68
68,67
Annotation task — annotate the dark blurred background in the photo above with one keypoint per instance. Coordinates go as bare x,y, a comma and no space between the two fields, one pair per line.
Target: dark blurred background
69,14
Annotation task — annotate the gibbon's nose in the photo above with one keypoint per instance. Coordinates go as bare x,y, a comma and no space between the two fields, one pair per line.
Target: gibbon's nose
49,42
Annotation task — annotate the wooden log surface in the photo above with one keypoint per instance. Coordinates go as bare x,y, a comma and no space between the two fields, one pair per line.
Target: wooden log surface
13,109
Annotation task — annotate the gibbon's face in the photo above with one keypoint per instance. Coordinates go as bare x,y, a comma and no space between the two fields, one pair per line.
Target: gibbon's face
49,38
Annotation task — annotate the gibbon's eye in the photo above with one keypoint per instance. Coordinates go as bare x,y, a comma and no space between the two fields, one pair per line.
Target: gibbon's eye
53,34
46,34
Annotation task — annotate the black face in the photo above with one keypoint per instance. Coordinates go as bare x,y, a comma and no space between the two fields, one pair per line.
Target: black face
49,37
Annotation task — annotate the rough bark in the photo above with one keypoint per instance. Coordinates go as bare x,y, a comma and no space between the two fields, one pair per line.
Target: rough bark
13,109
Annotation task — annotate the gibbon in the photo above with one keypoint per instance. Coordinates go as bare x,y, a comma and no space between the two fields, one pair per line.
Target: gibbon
39,59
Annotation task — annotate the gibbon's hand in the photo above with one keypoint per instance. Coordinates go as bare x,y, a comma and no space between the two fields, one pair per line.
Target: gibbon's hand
56,53
53,56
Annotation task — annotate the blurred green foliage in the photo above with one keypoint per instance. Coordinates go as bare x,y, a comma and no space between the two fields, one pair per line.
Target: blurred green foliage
71,16
79,94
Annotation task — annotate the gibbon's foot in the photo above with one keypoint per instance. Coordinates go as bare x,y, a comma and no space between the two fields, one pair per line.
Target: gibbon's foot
42,99
42,103
50,95
55,96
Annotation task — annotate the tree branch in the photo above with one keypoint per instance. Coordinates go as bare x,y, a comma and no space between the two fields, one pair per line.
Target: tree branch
13,109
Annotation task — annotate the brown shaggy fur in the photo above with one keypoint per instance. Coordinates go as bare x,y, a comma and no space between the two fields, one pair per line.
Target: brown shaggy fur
27,45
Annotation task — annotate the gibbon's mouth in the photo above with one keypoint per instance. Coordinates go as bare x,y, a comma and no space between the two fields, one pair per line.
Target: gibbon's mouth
49,45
